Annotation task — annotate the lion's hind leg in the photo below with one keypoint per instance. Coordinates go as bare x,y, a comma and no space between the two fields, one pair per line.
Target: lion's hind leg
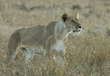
13,43
10,58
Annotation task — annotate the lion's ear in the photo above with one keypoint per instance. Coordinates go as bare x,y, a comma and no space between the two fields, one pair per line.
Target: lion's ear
64,17
77,16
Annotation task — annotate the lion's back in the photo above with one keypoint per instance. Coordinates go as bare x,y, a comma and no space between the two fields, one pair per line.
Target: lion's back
33,35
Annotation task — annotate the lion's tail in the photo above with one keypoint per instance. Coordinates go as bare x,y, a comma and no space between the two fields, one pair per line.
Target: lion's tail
13,43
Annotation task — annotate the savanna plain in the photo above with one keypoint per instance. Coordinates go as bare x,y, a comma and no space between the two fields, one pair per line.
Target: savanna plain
88,54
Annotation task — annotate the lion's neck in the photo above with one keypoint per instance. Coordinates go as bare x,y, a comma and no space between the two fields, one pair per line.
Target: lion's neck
60,31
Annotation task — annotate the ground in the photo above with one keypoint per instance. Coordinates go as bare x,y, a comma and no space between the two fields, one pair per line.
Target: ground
88,54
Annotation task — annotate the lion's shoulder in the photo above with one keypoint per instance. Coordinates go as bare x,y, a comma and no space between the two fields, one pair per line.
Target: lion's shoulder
50,26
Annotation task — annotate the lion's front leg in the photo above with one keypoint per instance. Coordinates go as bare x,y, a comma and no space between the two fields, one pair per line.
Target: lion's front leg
59,57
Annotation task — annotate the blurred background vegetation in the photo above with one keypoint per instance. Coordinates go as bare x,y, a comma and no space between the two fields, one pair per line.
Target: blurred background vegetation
88,54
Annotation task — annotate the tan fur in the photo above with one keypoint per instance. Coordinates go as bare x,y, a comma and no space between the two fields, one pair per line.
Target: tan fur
77,16
38,38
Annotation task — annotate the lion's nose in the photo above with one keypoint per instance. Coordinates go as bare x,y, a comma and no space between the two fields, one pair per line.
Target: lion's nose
79,26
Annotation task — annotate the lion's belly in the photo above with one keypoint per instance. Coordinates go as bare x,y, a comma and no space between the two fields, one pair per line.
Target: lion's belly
30,51
35,49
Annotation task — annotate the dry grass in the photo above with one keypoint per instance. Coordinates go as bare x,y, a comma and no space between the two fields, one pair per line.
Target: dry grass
87,54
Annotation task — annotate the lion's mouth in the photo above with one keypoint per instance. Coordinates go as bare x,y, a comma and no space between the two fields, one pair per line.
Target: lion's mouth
78,31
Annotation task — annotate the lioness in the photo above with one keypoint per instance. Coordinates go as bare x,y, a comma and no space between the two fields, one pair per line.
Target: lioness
40,39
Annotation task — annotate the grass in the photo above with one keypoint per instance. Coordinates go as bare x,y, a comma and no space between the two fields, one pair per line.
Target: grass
108,32
87,54
91,54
